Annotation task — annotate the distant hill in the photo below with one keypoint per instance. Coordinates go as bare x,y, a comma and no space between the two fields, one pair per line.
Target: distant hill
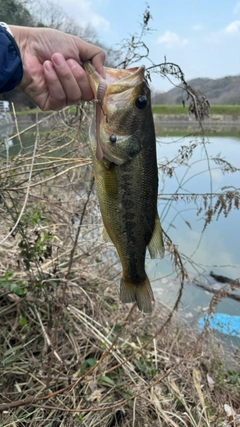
218,91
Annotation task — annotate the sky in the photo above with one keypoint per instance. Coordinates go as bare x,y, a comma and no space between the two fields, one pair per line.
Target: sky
201,36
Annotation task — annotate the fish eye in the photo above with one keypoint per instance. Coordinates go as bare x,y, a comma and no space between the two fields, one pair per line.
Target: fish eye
113,138
141,102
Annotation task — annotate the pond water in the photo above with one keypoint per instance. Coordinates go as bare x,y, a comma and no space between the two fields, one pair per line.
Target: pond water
216,248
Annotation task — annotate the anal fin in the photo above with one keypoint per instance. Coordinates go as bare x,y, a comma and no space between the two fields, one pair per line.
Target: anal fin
156,245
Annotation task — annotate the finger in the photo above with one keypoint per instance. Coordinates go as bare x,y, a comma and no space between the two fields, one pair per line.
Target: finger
98,62
88,51
56,98
67,79
81,79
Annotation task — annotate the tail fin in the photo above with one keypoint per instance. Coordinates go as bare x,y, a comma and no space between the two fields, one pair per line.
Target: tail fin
141,293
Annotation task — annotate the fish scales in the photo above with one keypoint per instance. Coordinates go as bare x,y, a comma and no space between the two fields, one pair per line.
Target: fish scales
128,191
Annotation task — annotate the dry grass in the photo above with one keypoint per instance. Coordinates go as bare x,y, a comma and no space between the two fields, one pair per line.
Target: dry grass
70,353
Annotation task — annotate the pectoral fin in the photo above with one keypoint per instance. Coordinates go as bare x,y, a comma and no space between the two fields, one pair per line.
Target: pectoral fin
156,245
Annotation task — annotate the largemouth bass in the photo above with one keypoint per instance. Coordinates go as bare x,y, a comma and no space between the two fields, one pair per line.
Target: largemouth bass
123,145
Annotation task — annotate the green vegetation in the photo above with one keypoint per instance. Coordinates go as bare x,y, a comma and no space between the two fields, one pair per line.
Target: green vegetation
233,110
27,112
15,12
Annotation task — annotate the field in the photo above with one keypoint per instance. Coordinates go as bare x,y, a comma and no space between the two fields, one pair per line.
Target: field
233,110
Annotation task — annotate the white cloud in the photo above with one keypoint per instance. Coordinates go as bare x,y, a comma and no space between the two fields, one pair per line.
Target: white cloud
233,28
197,27
236,9
171,39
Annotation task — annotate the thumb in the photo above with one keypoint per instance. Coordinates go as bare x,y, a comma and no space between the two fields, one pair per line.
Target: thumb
90,52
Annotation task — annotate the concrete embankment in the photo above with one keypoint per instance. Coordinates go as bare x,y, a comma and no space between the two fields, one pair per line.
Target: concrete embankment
215,122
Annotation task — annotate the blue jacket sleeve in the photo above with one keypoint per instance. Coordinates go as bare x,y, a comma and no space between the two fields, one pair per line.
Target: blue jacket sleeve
11,69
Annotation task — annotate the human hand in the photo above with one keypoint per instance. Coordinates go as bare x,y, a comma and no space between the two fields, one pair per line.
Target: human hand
52,73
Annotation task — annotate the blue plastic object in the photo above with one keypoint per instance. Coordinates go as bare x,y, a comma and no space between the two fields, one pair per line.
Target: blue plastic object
222,322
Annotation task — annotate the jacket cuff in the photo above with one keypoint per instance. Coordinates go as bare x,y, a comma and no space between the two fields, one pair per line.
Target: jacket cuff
11,68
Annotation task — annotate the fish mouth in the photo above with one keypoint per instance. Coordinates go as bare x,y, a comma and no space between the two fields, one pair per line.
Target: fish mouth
115,82
115,77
